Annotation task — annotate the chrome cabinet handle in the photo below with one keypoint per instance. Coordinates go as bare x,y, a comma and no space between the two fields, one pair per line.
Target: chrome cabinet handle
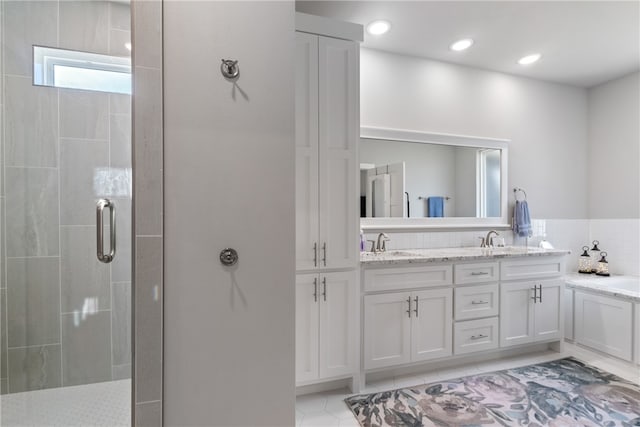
416,309
324,288
105,203
315,289
535,293
540,296
324,253
479,302
477,337
479,273
315,254
409,310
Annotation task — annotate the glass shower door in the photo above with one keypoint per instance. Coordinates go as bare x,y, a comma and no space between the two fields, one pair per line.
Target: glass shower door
65,315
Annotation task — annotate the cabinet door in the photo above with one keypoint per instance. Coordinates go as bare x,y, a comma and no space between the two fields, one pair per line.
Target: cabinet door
431,324
387,330
306,119
549,311
307,327
516,313
604,323
338,338
339,131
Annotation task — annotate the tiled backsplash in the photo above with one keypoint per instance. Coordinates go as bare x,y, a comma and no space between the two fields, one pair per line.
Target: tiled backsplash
620,238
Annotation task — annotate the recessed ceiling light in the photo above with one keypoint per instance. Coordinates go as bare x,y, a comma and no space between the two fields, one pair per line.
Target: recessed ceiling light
128,46
529,59
461,45
377,28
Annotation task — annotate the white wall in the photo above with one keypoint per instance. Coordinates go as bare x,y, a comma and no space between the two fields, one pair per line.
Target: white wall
546,122
229,182
614,148
614,171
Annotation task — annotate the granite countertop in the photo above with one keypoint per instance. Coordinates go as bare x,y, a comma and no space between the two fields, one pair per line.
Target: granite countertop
606,285
420,256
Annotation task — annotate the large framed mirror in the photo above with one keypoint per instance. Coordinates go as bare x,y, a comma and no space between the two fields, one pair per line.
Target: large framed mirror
416,180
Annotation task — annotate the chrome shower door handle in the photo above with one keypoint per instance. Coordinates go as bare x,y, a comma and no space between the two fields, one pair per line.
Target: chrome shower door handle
105,203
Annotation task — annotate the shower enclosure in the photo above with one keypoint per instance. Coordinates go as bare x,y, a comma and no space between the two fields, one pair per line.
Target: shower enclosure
65,315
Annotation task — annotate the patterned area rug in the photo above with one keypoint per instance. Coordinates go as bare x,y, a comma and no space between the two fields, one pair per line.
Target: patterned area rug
564,392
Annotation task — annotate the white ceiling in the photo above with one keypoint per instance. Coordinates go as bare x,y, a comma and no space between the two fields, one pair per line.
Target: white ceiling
583,43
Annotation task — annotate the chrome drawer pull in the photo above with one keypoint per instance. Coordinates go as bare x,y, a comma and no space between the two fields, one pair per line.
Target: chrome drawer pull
479,302
409,302
477,337
479,273
324,253
315,254
315,289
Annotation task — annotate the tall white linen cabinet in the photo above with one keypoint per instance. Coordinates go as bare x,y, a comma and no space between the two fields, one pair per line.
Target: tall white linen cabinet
327,97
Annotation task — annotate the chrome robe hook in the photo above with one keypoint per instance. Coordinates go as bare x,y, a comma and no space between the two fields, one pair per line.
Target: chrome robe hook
229,68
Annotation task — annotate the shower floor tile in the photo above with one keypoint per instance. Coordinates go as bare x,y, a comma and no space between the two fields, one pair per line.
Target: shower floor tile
100,404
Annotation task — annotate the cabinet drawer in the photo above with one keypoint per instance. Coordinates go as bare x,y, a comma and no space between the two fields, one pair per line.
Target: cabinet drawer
472,302
475,335
537,268
385,279
481,272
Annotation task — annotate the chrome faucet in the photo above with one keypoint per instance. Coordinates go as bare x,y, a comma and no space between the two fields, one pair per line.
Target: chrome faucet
381,245
488,241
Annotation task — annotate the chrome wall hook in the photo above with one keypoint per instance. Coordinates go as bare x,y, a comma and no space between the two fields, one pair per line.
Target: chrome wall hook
229,68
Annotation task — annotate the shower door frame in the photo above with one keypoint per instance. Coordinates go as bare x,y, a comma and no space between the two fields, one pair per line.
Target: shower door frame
148,205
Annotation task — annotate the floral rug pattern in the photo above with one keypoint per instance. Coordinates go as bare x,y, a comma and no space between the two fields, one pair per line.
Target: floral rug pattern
563,393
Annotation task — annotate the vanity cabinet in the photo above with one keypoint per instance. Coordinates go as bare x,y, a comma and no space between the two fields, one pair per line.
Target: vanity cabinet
404,327
327,130
326,335
417,310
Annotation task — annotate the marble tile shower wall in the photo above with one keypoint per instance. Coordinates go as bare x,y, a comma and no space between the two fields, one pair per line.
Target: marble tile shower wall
65,317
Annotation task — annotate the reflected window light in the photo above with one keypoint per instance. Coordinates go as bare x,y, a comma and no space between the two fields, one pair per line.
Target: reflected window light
89,306
75,77
112,182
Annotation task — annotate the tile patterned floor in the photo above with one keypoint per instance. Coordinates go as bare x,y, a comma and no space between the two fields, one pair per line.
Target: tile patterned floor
328,409
106,404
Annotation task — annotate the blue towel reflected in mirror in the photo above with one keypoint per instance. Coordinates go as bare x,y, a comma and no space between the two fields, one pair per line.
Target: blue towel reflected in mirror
435,207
